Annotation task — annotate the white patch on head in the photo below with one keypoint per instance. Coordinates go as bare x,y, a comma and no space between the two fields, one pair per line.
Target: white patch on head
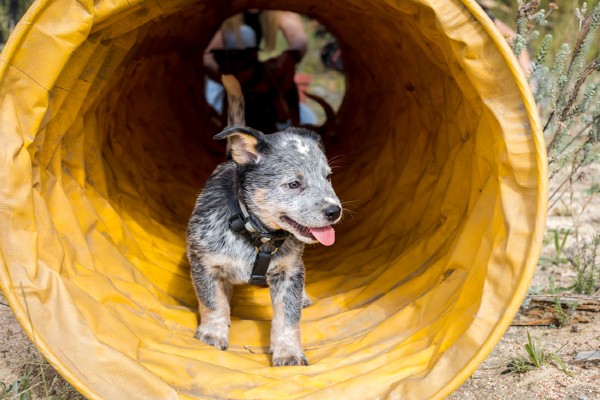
301,147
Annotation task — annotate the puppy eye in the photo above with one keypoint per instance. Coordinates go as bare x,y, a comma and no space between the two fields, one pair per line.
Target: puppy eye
294,185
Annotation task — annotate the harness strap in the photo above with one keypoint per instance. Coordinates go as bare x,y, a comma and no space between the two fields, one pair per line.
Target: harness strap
261,264
243,223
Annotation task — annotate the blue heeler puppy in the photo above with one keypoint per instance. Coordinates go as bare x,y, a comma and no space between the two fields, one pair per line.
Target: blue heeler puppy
250,224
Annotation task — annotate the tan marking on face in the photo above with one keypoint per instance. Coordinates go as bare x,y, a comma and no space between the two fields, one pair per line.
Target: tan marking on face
260,195
266,214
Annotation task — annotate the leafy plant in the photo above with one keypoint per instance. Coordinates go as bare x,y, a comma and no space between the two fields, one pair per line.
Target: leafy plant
519,365
585,259
566,90
559,239
564,317
583,255
17,390
537,358
566,86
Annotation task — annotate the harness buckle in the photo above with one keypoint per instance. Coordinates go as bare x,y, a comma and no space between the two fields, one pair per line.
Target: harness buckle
256,250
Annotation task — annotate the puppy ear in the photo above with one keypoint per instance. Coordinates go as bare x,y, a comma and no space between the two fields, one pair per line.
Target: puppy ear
247,144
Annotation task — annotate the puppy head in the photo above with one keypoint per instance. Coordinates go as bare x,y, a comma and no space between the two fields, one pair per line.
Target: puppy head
285,181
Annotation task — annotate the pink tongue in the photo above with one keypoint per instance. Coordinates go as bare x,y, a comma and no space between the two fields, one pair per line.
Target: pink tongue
324,235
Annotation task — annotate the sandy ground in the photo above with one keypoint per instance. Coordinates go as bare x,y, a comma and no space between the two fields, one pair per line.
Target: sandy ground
20,361
490,382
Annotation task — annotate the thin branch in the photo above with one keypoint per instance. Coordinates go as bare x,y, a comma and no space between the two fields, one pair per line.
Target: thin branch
589,69
577,136
548,122
579,44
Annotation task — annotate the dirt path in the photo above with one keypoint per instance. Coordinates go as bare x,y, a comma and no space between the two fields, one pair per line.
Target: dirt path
491,382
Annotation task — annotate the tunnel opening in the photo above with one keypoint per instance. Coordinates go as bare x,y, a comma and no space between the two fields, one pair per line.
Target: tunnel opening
158,93
405,166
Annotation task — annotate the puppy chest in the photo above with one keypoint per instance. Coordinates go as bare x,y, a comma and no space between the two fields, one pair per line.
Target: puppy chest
238,268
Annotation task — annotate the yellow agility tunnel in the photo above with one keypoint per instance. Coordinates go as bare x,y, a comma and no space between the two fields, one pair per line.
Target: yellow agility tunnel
105,141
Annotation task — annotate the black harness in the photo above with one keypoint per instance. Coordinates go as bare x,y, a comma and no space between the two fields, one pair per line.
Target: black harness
265,242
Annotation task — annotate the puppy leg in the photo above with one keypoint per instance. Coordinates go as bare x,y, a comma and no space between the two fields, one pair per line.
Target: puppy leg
286,295
213,304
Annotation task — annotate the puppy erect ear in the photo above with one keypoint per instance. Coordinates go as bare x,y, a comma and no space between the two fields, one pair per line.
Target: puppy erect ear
247,144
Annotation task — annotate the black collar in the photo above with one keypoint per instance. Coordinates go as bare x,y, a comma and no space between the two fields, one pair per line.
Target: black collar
247,225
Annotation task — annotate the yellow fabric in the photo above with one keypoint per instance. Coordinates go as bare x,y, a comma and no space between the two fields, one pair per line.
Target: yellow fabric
105,142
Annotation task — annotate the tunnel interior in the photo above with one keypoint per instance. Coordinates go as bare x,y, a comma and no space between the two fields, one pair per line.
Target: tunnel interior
156,131
429,247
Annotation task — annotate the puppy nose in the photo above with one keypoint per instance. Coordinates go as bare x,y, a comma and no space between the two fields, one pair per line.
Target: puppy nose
332,212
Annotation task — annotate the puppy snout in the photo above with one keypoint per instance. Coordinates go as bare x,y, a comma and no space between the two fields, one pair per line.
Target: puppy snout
332,212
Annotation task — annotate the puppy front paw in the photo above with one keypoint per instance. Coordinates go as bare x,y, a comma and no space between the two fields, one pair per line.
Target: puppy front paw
220,342
290,360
